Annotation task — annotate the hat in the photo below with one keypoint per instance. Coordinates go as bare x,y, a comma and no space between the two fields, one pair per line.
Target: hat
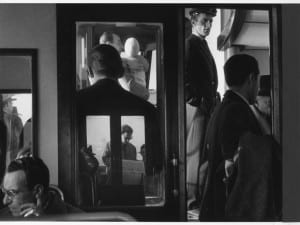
208,10
264,86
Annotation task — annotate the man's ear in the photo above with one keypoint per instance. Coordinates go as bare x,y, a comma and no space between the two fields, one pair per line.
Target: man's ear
38,191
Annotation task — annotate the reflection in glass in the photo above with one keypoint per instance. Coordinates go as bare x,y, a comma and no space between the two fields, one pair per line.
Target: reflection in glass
101,182
134,138
98,140
133,142
16,113
139,45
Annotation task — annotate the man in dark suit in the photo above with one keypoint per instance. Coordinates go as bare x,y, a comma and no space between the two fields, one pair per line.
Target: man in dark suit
231,119
201,84
201,78
106,97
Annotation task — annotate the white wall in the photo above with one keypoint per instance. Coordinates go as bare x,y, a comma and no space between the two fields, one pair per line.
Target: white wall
291,111
34,26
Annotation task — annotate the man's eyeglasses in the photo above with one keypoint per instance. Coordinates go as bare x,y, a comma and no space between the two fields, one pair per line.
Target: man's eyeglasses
9,193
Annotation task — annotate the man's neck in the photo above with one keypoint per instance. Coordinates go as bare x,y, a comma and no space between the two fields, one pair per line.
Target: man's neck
198,35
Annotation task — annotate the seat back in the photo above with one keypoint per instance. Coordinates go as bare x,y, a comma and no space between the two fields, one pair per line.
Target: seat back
56,191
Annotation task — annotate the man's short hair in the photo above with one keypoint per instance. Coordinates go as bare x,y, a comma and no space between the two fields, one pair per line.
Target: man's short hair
35,170
110,63
238,68
126,128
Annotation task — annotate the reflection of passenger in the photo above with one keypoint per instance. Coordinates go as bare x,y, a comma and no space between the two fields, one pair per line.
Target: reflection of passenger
25,187
136,66
25,136
128,149
262,106
14,127
106,97
112,39
143,151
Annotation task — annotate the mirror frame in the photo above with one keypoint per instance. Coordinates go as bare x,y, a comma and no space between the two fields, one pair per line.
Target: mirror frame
34,117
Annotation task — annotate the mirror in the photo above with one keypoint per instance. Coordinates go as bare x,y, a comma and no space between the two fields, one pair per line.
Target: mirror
139,45
17,98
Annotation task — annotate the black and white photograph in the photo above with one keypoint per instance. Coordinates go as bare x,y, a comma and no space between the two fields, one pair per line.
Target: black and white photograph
183,111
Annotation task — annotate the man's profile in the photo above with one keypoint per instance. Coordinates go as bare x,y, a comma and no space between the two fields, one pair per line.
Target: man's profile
26,190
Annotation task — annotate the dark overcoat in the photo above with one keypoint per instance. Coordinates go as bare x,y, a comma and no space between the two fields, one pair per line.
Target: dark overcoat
231,119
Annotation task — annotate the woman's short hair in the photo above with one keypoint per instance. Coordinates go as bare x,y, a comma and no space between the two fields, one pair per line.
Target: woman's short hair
238,68
109,60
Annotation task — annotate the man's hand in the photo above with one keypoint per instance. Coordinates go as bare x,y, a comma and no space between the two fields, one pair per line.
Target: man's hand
229,167
32,209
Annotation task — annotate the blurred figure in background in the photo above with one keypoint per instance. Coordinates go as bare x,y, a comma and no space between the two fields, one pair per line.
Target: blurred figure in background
135,66
262,106
14,127
112,39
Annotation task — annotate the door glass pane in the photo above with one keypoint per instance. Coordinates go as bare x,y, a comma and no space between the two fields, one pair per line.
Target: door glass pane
139,45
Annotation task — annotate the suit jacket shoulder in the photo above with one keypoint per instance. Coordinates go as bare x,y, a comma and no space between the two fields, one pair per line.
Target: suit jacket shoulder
107,97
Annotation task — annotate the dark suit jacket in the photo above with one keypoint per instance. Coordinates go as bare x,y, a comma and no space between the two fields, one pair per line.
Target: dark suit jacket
201,80
107,97
231,119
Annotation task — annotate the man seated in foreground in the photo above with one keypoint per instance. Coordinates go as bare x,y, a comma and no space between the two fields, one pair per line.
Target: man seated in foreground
26,191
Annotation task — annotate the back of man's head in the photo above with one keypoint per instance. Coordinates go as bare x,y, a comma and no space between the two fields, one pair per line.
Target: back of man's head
105,60
238,68
34,168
